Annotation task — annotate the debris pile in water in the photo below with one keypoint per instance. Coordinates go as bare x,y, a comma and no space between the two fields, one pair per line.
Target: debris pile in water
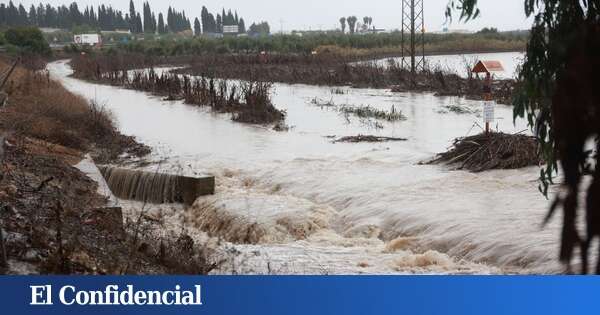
362,138
492,151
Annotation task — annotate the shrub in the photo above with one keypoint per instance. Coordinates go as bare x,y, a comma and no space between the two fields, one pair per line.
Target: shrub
28,40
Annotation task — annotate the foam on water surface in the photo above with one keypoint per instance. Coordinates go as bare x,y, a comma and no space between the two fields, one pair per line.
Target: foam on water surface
297,203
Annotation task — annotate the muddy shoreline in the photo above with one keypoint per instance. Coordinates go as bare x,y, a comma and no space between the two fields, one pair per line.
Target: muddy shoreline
53,219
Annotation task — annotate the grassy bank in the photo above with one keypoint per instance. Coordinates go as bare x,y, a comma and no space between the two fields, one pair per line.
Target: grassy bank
42,108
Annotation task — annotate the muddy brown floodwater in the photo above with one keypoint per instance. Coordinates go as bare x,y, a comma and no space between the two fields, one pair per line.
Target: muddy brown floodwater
297,203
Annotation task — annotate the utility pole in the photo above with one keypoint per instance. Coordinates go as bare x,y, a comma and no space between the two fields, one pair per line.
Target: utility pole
413,27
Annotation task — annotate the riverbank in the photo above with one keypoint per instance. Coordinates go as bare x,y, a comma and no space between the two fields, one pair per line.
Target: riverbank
328,67
54,220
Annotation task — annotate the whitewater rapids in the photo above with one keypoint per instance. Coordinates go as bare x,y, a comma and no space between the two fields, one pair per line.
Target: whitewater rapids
295,203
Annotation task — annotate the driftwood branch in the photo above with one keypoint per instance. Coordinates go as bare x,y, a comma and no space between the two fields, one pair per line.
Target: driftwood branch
361,138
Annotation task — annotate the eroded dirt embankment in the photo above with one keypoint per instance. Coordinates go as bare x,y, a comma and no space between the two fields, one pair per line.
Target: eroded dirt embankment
52,217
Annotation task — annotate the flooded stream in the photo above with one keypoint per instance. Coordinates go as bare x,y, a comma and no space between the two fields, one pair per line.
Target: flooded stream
460,64
294,202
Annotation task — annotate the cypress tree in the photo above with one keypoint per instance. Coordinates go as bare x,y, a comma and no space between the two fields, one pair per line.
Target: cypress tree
161,24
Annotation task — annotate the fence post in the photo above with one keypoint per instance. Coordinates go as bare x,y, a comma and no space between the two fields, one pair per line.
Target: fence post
487,96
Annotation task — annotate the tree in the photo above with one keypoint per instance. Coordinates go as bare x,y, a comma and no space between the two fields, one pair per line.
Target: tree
242,26
161,24
219,24
204,20
154,23
132,18
28,40
260,29
197,27
491,30
148,27
343,24
33,16
138,24
22,17
560,104
212,23
352,23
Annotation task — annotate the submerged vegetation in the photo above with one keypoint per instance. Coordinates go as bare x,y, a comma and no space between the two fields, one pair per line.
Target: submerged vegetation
456,109
248,102
331,69
362,112
370,112
368,116
326,68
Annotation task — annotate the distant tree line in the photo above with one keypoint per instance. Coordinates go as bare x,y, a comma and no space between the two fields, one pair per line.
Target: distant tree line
261,28
490,30
212,24
385,43
106,18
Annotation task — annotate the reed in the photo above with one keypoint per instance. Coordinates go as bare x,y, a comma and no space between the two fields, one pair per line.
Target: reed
371,112
247,102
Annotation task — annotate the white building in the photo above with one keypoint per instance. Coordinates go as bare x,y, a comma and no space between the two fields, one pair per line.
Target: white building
88,39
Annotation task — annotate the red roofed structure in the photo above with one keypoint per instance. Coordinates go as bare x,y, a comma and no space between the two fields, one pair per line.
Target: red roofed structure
488,66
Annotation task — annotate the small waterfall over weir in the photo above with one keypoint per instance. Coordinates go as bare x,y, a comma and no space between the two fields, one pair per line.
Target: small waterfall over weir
156,187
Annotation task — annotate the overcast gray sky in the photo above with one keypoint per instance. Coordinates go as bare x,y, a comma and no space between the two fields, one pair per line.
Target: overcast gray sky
323,14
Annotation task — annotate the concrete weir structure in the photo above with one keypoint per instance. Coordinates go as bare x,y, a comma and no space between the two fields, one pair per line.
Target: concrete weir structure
156,188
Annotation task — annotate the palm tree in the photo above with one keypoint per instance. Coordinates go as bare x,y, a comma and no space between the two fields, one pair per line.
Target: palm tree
352,23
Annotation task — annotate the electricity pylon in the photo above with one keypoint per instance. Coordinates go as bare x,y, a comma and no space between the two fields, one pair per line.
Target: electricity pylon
413,35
